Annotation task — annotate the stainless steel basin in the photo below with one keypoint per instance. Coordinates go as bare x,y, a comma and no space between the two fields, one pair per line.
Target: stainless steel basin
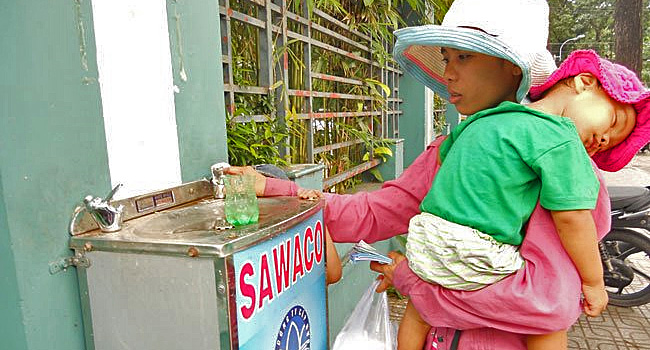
186,219
199,220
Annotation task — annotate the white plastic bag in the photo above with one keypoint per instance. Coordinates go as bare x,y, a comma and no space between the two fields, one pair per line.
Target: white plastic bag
368,326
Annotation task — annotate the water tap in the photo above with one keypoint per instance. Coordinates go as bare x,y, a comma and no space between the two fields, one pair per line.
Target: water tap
219,180
107,217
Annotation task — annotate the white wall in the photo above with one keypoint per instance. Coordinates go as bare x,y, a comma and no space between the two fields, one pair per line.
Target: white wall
135,76
429,127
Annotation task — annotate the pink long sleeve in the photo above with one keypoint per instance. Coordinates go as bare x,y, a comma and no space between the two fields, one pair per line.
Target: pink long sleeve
542,297
508,306
277,187
378,215
384,213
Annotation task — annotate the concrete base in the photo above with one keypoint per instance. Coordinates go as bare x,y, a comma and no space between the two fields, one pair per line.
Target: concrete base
308,176
393,167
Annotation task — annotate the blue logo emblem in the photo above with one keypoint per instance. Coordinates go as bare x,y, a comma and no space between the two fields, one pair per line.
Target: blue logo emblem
294,333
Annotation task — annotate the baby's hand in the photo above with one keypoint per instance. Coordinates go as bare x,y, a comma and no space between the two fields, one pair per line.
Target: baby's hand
595,299
309,194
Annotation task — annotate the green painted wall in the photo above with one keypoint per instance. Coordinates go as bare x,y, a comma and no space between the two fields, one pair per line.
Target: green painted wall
52,152
393,167
12,330
195,41
451,115
53,149
411,123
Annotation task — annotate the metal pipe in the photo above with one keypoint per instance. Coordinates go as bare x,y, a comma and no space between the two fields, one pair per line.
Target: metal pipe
566,41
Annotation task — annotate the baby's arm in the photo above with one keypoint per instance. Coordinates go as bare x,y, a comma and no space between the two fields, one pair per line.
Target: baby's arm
333,262
413,331
577,232
334,270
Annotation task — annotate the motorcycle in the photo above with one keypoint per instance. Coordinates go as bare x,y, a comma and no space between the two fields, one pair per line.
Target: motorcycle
625,250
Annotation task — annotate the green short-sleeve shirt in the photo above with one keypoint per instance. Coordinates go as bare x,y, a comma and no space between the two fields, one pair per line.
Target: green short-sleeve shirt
499,162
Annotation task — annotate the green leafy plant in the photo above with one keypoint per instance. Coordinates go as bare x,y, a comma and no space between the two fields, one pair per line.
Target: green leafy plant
348,140
439,118
255,143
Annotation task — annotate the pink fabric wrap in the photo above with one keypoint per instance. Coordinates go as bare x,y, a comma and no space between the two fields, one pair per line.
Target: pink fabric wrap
541,298
622,85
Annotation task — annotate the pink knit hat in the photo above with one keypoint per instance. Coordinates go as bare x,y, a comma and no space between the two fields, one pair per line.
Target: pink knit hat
622,85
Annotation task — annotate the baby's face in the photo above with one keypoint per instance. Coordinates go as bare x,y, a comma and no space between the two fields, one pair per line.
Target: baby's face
601,121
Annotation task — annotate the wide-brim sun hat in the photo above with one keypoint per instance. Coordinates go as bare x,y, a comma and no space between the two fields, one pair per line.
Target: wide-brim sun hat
515,30
619,83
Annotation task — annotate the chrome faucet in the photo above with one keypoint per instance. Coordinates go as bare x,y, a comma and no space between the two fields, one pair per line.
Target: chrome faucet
219,179
107,217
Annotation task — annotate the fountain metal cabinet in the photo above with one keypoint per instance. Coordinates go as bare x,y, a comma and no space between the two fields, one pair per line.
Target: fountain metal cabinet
171,279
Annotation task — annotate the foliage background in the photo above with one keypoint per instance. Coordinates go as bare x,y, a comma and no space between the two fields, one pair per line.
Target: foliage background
256,136
258,133
595,19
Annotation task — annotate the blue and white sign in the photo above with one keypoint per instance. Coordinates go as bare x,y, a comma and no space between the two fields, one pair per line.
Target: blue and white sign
280,287
294,332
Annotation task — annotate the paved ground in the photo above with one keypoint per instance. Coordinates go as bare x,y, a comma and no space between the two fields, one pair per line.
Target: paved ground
617,328
636,173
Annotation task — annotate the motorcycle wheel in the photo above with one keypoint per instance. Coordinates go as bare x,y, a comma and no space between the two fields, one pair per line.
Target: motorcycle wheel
633,248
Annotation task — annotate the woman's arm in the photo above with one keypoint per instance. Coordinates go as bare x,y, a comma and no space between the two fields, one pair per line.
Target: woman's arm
377,215
381,214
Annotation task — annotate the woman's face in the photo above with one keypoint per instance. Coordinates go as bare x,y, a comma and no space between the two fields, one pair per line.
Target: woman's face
601,121
476,81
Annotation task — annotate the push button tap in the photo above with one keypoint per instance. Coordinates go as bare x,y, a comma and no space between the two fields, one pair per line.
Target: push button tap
219,179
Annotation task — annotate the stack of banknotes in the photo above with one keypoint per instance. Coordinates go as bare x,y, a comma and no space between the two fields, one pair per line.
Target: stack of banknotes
363,251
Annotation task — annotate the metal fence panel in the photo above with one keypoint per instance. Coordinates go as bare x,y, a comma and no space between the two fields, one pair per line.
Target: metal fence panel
296,52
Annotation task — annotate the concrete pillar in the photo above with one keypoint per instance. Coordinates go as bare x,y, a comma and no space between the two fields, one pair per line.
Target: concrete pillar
413,117
52,152
53,149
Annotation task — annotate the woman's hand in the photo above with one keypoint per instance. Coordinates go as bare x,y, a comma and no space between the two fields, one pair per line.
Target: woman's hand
310,194
260,180
386,270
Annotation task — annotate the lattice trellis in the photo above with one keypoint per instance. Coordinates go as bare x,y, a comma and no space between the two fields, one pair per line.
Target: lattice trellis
318,34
